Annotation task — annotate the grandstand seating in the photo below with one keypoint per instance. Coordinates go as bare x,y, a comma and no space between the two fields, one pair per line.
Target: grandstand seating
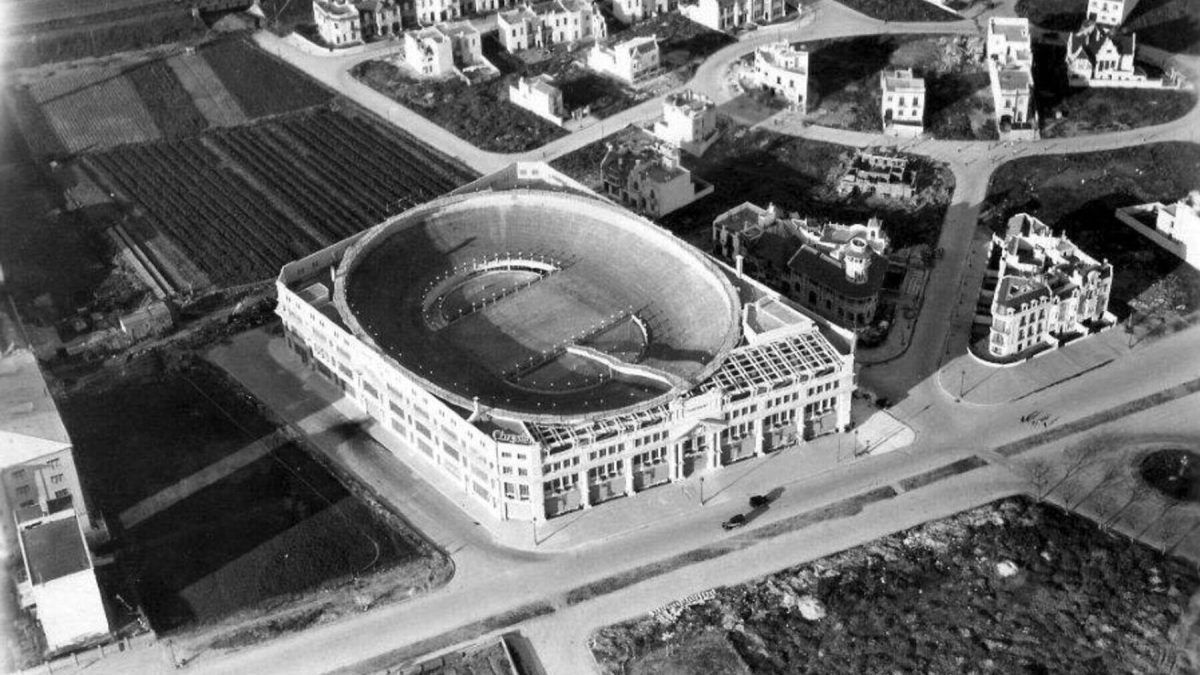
612,265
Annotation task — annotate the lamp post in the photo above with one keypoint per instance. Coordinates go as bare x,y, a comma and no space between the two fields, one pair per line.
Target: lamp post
701,490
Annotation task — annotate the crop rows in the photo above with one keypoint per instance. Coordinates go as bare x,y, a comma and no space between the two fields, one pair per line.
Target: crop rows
225,227
94,109
339,173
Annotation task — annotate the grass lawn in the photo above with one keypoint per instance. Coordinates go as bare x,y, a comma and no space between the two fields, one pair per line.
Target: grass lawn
1053,14
797,174
934,600
1069,111
1079,193
261,84
844,89
261,539
900,10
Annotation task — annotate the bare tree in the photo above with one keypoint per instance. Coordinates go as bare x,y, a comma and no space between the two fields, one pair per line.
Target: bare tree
1138,490
1104,506
1165,526
1040,474
1113,473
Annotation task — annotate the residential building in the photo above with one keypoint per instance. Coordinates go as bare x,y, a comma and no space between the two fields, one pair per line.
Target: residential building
903,102
151,320
380,18
46,501
648,178
1047,289
429,12
429,52
1099,56
877,173
1175,227
539,96
630,60
486,6
833,269
727,15
547,23
466,43
338,22
632,11
689,122
1010,71
1106,12
782,70
731,370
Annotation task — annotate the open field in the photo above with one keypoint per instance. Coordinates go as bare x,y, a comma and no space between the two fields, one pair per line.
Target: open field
900,10
254,545
1014,587
293,189
1068,111
1078,193
480,113
261,84
796,174
844,90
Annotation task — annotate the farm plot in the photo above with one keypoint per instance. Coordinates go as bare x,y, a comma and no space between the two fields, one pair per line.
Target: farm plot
261,84
209,95
94,109
340,172
169,103
259,541
222,224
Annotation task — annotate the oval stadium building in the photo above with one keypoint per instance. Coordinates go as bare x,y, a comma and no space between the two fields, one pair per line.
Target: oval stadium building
530,344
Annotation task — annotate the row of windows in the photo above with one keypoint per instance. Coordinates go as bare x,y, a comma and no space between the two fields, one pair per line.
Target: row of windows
560,465
606,452
821,388
653,438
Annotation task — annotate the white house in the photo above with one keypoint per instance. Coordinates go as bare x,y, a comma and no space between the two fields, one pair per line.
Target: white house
1106,12
630,60
380,18
539,96
1010,72
724,15
429,12
1046,289
650,179
548,23
1175,227
62,581
782,70
689,122
429,52
465,41
632,11
338,22
903,102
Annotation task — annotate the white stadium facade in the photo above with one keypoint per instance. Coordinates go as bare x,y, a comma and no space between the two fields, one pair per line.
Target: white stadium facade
548,350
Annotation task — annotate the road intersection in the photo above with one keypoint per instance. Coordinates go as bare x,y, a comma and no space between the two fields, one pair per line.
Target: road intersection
534,584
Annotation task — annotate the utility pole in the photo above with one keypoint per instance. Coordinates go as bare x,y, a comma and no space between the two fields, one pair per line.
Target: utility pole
701,490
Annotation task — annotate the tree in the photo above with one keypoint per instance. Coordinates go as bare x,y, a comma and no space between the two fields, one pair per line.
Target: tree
1040,475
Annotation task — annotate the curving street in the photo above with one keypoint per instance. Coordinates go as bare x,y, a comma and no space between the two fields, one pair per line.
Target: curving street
506,581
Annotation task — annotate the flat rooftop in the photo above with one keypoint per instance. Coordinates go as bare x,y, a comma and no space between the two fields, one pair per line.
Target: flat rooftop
54,549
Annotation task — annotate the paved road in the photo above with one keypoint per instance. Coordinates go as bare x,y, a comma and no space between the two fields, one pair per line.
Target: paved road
491,579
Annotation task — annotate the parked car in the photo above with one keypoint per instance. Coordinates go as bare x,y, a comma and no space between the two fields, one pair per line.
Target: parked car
759,501
734,522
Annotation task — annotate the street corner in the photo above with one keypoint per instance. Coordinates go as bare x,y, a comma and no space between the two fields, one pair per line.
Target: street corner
876,430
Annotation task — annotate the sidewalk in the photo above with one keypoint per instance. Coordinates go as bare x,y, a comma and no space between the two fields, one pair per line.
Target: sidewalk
980,383
440,508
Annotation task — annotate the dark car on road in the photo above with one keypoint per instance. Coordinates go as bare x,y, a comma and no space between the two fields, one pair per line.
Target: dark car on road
734,522
759,501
